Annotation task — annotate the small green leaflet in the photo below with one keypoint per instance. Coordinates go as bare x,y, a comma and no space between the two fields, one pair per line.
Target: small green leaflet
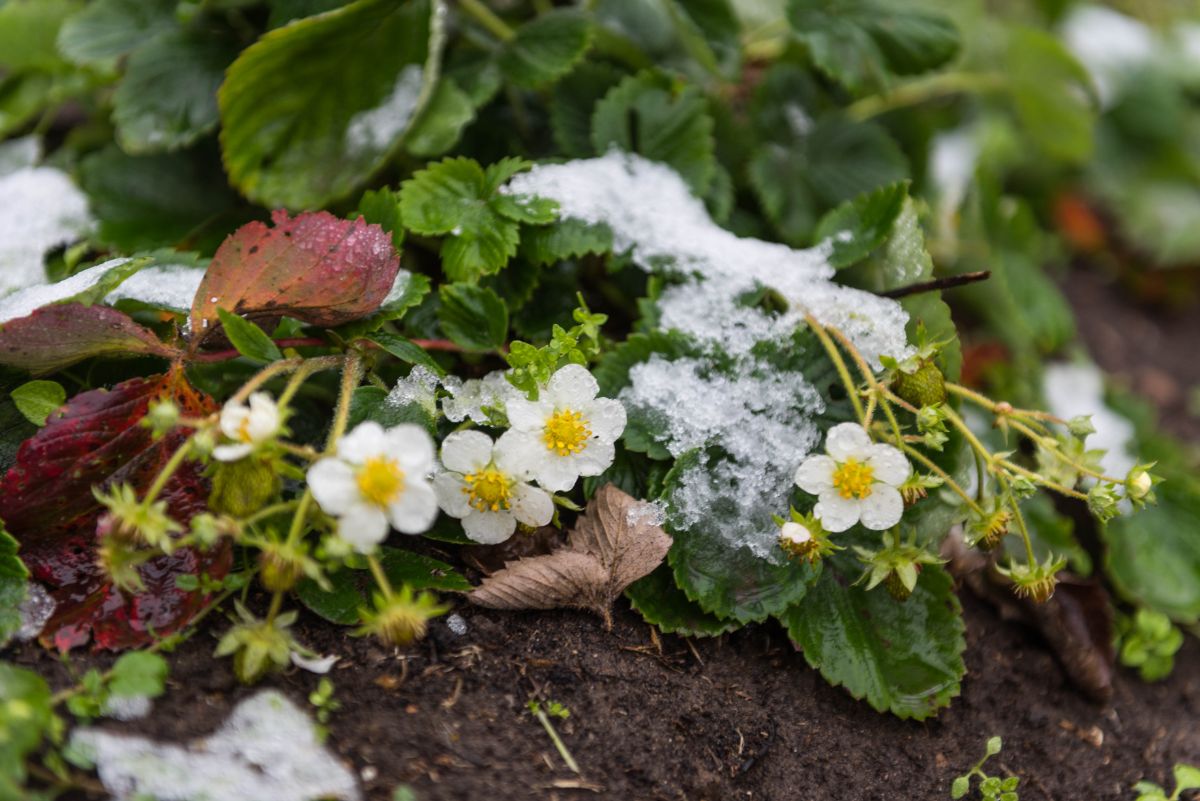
857,227
459,199
405,350
37,400
473,316
13,580
546,47
138,673
250,340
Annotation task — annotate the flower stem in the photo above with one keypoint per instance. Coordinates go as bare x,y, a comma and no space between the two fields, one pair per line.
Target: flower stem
263,376
1054,449
950,482
380,577
1020,518
485,17
925,90
168,470
836,357
559,745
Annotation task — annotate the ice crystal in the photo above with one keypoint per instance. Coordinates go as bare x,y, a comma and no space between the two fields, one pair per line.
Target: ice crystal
471,398
168,286
419,386
267,749
35,610
457,624
26,301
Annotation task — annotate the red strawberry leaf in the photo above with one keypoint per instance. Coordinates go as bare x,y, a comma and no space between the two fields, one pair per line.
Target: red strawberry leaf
46,502
54,337
315,267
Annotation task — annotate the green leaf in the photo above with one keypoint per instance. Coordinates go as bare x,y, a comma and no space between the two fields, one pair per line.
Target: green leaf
372,403
284,11
458,197
145,202
1050,91
573,102
420,572
37,400
862,43
341,605
27,717
473,316
648,115
313,109
138,673
106,29
14,579
1153,555
564,239
405,350
250,340
168,97
28,29
1187,777
546,47
859,226
902,657
709,31
382,207
661,603
960,787
449,111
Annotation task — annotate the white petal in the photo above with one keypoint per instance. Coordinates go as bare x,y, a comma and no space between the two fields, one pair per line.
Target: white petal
526,415
232,417
412,447
847,440
882,508
333,485
518,453
889,464
815,474
451,493
571,387
532,506
319,665
835,512
489,528
416,510
557,473
594,459
232,453
365,441
466,451
363,526
264,417
794,532
606,418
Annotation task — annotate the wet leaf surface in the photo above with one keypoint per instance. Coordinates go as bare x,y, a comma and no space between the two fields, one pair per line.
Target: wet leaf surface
58,336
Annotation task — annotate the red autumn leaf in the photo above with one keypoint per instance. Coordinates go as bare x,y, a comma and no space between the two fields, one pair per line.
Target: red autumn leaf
315,267
54,337
46,502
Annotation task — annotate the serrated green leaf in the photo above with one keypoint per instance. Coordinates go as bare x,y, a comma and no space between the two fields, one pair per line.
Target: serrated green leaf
902,657
420,572
1153,555
138,673
382,207
661,603
340,604
473,316
564,239
546,47
405,350
458,197
250,340
449,111
709,31
106,29
648,115
573,103
14,578
857,227
37,400
312,109
168,97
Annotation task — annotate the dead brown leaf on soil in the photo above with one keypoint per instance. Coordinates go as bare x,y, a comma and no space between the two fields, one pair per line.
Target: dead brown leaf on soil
614,543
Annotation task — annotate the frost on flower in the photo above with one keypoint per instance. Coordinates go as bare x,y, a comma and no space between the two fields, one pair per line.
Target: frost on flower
247,426
856,482
377,478
473,398
486,486
567,432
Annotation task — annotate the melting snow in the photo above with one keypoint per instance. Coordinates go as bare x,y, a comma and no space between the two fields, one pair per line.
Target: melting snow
456,624
1078,389
35,610
419,386
377,128
267,749
40,209
1110,45
760,417
127,707
470,398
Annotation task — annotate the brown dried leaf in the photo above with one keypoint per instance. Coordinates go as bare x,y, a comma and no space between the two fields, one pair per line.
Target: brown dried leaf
612,545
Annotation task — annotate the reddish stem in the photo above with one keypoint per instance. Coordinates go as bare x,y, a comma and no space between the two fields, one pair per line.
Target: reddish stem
314,342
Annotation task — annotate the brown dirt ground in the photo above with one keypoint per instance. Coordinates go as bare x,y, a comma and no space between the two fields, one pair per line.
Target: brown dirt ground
738,717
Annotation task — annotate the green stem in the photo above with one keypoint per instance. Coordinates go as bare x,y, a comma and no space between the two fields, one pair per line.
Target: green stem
1020,518
967,433
558,743
1054,449
305,370
167,471
485,17
876,389
351,376
836,357
380,577
263,376
950,482
1040,479
924,90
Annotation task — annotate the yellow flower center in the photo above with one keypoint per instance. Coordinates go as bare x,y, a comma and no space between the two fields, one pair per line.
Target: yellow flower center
566,432
853,479
243,431
488,490
380,480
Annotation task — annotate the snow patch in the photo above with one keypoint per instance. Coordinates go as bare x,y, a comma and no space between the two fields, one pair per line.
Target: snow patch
168,286
35,610
126,707
471,398
376,129
267,749
1072,390
40,209
1110,46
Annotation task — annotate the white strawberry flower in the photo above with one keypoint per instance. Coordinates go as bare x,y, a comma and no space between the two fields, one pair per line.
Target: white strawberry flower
486,486
377,477
247,426
567,432
856,482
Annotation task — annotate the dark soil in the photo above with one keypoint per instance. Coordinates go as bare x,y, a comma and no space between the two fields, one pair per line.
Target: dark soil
738,717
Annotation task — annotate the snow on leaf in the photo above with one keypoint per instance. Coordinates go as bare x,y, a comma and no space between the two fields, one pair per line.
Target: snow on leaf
40,209
57,336
46,502
617,541
314,267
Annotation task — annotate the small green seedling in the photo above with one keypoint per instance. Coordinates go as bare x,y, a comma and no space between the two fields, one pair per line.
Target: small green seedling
991,788
1187,777
1148,641
543,713
322,699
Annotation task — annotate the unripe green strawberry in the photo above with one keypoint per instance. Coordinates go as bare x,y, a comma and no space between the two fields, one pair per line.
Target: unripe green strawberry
924,387
241,488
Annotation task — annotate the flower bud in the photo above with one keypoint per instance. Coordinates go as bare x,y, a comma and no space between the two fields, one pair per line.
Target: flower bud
402,618
281,566
241,488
